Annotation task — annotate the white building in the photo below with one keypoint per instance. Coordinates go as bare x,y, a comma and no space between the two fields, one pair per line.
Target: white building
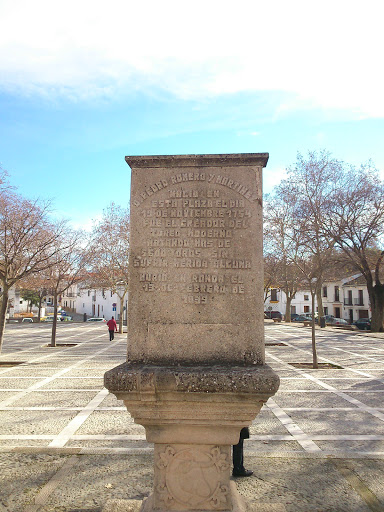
100,303
68,299
345,298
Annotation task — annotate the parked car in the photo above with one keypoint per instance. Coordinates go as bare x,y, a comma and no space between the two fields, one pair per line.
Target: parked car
302,318
27,320
48,318
273,314
337,321
328,318
97,320
64,318
364,324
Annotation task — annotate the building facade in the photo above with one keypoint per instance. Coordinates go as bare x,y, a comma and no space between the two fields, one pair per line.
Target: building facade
345,298
100,303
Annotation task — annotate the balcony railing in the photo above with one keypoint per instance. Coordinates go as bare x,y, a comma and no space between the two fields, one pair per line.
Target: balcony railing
358,302
348,302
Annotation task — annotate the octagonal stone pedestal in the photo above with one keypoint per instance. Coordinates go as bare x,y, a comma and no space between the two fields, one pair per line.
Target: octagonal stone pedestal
193,415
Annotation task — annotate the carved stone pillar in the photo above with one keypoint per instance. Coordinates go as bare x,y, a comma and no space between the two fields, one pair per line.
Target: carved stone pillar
195,372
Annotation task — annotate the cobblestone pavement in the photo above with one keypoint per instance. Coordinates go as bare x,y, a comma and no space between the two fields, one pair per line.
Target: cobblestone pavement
66,444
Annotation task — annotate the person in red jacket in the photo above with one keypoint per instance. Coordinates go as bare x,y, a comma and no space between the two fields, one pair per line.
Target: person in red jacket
112,327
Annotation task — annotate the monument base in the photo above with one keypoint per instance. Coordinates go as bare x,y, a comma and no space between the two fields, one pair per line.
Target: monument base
239,504
193,415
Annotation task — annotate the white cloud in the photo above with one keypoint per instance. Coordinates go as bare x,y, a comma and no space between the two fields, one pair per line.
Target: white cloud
326,54
272,177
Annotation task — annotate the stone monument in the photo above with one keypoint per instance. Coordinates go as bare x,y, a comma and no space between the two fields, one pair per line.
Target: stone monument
195,372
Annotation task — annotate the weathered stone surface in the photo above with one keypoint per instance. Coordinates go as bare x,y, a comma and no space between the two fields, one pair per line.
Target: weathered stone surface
196,282
122,506
190,380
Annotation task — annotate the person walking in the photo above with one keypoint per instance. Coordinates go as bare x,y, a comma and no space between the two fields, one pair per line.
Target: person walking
112,327
237,454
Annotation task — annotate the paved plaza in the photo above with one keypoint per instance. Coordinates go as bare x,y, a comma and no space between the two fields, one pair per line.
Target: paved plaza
67,445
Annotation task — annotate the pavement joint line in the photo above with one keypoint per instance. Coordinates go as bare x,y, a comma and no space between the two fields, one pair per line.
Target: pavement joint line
358,485
58,339
109,437
370,410
362,356
364,391
63,437
40,376
45,492
20,437
359,372
256,452
41,408
45,381
296,432
50,390
319,409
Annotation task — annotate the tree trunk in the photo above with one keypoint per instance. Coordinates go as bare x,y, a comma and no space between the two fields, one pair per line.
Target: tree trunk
39,311
319,298
54,323
314,351
376,296
3,313
288,309
121,314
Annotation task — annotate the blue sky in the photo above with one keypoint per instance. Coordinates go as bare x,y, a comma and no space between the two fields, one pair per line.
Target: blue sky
82,87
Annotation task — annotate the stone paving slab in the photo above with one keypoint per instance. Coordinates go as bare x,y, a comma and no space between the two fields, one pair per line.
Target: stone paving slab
84,483
332,422
60,399
299,384
110,422
34,422
310,400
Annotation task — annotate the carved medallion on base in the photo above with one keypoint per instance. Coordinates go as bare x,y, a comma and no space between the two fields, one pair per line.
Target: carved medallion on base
192,477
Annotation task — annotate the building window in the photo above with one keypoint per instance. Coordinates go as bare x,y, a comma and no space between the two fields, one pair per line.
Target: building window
325,291
325,311
83,305
306,309
293,310
337,295
111,293
89,293
274,295
361,300
306,297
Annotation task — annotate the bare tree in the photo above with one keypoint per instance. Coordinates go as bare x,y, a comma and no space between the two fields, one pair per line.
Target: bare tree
355,220
310,183
68,267
109,247
271,269
27,243
280,241
39,284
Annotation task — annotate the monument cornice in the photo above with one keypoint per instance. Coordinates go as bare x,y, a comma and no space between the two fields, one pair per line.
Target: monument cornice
216,379
219,160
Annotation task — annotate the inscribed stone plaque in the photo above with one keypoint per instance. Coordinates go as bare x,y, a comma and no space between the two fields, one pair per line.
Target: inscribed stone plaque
196,268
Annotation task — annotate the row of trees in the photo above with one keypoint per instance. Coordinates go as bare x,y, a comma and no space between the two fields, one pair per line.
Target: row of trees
45,256
326,214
